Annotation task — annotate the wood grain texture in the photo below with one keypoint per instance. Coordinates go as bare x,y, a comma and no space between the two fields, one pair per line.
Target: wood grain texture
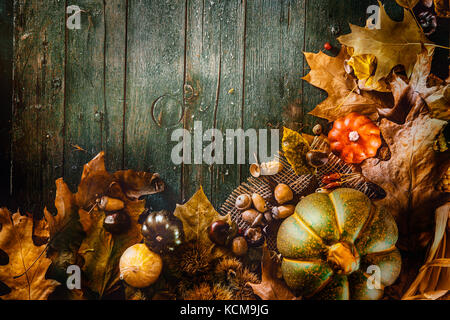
38,109
139,69
154,90
6,65
115,33
84,97
213,95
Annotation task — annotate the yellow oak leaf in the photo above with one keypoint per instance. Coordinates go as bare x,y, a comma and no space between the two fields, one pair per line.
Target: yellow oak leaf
25,272
328,73
394,43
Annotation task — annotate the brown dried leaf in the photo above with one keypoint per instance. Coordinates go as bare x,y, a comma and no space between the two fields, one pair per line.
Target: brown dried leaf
136,184
408,4
411,98
328,73
271,287
100,249
410,175
16,240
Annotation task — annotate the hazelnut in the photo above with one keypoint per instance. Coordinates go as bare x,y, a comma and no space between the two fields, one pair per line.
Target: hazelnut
283,193
239,246
243,202
268,216
317,129
252,217
316,158
284,211
259,203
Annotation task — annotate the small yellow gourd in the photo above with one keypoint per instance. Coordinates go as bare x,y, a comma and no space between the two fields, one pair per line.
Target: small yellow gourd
140,267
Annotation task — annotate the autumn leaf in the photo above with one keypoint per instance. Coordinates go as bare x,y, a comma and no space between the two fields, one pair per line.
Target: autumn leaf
272,287
25,272
328,73
363,67
197,215
394,43
416,95
295,147
439,103
408,4
100,249
410,175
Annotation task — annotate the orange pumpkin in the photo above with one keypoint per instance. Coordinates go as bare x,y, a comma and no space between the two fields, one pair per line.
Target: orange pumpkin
354,138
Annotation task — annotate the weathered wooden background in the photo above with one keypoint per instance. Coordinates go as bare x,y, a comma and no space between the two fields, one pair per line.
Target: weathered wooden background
122,81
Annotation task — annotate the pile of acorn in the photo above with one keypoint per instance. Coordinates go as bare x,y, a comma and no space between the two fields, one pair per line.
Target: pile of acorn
256,214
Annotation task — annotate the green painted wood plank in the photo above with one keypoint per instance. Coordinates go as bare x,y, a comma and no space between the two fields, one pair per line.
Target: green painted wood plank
154,91
6,63
291,63
214,64
85,105
38,102
229,108
264,74
114,59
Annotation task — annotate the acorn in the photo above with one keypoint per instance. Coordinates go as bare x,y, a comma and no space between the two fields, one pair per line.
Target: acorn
282,212
283,193
254,236
243,202
259,203
117,222
316,158
110,204
239,246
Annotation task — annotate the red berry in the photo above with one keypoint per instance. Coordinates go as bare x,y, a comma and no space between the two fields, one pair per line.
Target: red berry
327,46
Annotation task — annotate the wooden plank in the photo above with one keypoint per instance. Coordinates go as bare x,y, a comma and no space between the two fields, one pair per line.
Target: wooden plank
85,103
268,73
38,102
114,58
213,88
6,54
291,63
154,91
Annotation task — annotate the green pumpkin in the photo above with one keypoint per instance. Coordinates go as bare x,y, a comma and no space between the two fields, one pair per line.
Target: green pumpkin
334,243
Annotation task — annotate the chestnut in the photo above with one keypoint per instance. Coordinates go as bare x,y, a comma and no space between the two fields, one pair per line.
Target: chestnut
220,232
243,202
239,246
259,203
116,222
254,236
283,193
